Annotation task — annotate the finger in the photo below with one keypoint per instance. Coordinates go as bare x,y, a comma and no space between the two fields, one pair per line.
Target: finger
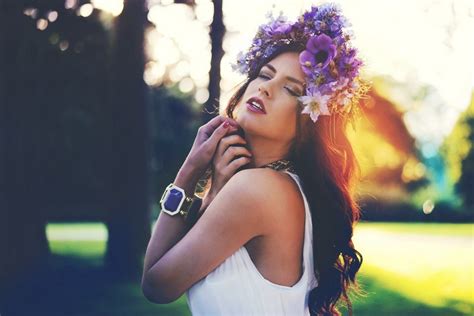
237,163
203,136
234,139
208,128
214,123
234,152
221,147
216,136
233,122
228,141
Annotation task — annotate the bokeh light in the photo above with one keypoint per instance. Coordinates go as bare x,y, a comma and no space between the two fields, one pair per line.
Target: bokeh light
114,7
86,9
41,24
429,49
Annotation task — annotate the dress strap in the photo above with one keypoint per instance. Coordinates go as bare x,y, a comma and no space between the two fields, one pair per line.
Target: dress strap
308,236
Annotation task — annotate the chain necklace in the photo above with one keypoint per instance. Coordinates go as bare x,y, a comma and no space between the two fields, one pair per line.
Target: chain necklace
282,164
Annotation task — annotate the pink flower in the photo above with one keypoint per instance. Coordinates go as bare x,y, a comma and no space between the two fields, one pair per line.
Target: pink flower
315,105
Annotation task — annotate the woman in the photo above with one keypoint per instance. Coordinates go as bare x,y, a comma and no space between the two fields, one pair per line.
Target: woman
273,234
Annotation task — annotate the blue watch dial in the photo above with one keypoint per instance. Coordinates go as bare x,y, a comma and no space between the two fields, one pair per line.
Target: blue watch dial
173,199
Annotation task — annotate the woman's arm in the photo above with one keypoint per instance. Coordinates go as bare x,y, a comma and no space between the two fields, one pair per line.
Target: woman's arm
236,215
168,229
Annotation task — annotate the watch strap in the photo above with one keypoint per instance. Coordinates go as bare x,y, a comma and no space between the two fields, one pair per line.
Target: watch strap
190,208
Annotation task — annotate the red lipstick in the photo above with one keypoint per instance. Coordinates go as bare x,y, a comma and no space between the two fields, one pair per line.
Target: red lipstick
255,104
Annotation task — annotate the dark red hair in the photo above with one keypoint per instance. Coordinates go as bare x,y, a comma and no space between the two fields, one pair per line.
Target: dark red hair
328,168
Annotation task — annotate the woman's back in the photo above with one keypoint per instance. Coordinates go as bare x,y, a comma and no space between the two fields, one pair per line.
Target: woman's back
236,287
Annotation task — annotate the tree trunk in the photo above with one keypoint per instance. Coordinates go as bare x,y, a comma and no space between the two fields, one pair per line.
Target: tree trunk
217,37
23,243
128,199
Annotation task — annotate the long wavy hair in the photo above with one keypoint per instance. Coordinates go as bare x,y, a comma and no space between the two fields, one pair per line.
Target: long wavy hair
328,168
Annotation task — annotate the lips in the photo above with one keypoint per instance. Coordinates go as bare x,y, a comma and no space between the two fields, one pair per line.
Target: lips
254,103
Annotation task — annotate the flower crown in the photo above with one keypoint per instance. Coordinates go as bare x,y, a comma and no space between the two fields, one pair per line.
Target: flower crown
333,84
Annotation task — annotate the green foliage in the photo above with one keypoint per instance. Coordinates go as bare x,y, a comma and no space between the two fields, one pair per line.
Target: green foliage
430,192
457,145
458,152
174,125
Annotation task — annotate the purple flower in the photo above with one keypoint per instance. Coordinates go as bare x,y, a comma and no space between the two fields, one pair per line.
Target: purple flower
330,64
320,50
309,15
318,25
283,28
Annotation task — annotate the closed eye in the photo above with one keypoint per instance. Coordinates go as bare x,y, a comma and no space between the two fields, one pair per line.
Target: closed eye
292,92
264,76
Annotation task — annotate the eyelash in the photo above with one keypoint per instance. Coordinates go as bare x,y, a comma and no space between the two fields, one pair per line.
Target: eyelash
289,90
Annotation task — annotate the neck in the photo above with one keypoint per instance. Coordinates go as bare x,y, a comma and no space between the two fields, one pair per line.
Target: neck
265,151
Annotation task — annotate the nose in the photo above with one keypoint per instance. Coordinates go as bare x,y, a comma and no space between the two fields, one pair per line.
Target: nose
264,89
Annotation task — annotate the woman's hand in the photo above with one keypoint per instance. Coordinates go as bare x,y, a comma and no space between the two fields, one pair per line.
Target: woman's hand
202,151
231,154
229,157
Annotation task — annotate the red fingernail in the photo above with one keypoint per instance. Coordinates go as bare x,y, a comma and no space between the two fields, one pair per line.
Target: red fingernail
226,124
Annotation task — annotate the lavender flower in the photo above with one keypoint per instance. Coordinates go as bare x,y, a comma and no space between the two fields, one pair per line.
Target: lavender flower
319,52
331,66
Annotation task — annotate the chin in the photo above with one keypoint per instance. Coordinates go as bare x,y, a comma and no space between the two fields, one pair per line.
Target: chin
244,120
249,122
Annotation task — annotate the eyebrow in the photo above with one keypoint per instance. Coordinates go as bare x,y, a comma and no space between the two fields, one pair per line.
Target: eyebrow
287,77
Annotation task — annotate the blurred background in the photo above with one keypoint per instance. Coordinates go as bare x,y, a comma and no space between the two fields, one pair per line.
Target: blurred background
99,104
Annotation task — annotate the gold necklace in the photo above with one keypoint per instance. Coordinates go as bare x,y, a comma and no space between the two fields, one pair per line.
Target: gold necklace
281,164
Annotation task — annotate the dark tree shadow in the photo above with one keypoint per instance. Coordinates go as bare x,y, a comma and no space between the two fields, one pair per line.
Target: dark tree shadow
73,286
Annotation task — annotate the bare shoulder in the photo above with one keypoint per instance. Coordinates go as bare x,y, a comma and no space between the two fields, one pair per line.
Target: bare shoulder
270,192
265,181
261,175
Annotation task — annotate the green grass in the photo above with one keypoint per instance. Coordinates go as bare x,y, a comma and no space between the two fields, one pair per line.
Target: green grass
434,292
430,263
448,229
400,278
381,300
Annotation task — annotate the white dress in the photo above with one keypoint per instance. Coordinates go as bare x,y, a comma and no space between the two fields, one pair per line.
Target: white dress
236,287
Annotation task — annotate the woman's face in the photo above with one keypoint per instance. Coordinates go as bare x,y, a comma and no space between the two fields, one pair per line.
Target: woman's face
276,89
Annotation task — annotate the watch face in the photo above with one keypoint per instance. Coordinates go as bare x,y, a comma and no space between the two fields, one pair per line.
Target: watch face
173,199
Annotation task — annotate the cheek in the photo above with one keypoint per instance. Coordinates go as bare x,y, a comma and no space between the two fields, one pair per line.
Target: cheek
287,115
252,88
